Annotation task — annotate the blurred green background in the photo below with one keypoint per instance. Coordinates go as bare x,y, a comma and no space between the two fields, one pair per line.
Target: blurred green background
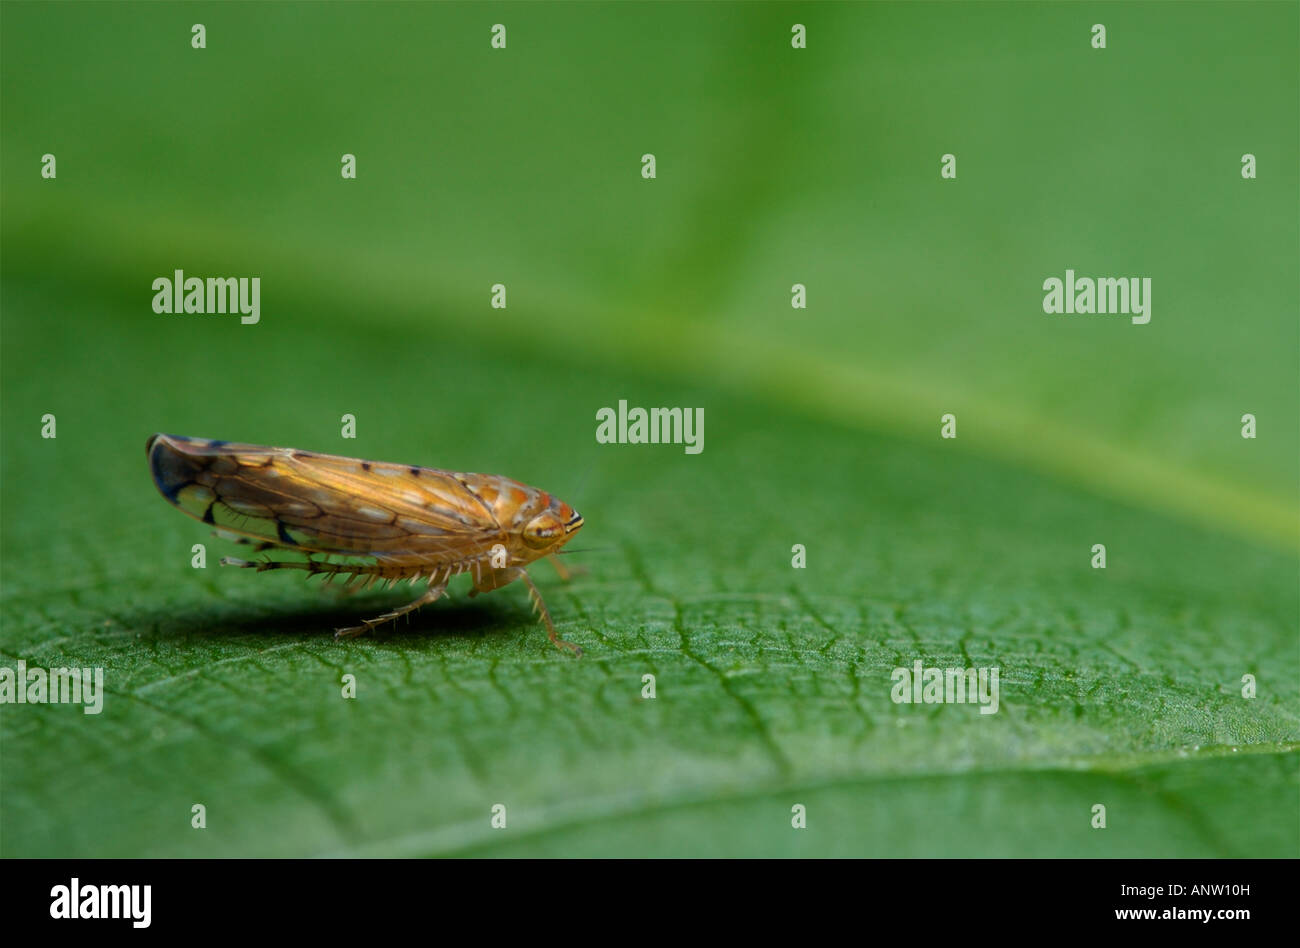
775,166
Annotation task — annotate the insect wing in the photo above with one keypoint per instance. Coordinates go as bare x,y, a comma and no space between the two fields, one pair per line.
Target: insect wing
323,503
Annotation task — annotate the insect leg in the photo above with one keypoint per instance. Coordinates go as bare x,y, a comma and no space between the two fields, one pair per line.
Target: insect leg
565,573
312,567
540,606
435,590
496,578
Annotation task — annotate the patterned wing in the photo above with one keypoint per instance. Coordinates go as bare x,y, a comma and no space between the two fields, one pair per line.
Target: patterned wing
321,503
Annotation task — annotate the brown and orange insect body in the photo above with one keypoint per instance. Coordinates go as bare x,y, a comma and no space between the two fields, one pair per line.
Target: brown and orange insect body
409,523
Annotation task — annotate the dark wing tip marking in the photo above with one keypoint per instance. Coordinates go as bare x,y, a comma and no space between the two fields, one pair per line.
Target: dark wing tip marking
284,535
171,473
415,471
365,465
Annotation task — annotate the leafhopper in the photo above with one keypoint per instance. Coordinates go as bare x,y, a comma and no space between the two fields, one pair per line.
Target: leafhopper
418,524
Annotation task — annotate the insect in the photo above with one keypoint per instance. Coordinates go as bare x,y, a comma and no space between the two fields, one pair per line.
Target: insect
420,524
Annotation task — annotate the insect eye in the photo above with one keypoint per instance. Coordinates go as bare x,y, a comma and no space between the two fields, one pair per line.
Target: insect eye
542,530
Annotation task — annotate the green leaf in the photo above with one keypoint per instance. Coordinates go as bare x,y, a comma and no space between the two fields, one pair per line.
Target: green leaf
1121,687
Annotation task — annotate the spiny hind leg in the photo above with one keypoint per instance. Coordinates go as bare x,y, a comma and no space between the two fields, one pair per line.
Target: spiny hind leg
374,571
369,573
499,577
430,595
